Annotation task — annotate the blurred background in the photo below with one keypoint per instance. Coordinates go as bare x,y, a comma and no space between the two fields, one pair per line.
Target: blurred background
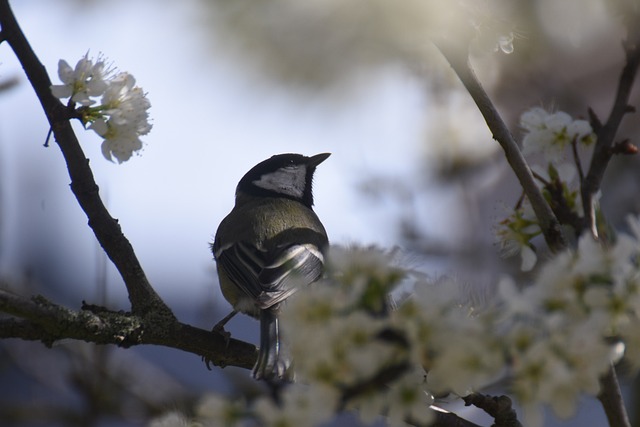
232,83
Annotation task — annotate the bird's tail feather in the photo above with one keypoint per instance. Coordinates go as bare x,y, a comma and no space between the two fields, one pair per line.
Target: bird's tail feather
274,359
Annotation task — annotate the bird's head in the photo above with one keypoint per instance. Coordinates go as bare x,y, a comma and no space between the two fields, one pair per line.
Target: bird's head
282,175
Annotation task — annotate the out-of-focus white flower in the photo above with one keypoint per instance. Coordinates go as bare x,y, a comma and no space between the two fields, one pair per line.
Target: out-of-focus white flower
514,233
634,224
408,400
122,115
533,119
172,419
549,133
462,371
82,82
301,405
566,172
581,129
371,407
529,258
218,410
550,336
517,302
591,257
271,415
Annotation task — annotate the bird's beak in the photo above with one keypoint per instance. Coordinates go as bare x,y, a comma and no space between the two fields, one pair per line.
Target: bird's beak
317,159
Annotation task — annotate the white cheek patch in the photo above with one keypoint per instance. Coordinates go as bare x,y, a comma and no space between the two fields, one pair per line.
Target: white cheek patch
289,181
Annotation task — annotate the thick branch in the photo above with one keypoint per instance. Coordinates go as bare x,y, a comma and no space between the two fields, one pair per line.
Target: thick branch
458,58
107,230
499,407
606,133
449,419
41,320
611,399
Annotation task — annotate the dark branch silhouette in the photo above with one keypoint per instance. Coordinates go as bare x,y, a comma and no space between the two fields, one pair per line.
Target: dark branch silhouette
606,132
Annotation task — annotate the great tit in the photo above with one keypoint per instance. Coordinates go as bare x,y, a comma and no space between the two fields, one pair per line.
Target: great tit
269,246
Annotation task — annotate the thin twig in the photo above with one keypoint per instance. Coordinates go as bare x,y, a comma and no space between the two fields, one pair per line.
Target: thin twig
606,133
576,160
48,138
540,178
458,58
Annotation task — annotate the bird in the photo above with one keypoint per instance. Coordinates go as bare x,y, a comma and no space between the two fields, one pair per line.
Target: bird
269,246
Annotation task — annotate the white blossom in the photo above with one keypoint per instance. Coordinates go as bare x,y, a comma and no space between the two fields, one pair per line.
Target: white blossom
407,398
120,141
549,133
301,405
460,370
221,411
548,338
171,419
126,104
514,234
81,83
634,224
121,117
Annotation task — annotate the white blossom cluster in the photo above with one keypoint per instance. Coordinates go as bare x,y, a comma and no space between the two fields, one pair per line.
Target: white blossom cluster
549,134
355,350
559,329
120,117
550,339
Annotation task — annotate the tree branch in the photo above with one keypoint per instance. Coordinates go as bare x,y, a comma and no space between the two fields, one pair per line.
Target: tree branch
458,58
107,230
606,133
611,399
499,407
42,320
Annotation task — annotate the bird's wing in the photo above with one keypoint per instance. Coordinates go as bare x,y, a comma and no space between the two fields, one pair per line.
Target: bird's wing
295,265
271,277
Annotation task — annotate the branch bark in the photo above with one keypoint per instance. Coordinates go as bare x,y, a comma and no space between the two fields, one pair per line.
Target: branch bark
606,133
499,407
42,320
611,399
458,58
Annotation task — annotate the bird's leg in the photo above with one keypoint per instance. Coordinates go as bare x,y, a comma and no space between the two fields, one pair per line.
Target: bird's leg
219,327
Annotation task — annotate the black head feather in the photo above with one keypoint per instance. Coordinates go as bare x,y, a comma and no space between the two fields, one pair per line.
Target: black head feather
282,175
